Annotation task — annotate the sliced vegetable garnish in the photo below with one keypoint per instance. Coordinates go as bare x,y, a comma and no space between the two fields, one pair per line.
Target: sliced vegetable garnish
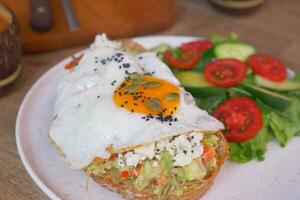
124,175
187,59
241,117
199,45
225,72
74,62
268,67
237,50
208,154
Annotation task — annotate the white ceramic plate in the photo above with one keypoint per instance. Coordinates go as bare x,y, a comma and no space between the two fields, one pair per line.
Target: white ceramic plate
278,177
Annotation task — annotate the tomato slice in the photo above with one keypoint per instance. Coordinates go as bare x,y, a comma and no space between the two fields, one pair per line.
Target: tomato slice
226,72
199,45
241,117
268,67
187,60
74,62
208,154
124,175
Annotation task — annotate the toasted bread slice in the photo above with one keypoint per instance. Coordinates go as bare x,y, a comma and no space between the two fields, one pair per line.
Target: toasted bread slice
131,47
196,192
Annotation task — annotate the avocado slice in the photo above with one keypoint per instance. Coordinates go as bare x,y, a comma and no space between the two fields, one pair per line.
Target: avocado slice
272,99
286,85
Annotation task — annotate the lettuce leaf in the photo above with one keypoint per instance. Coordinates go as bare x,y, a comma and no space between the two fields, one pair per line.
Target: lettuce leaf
286,124
210,103
206,57
254,148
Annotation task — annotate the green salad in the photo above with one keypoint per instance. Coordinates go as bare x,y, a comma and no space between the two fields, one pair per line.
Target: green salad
254,94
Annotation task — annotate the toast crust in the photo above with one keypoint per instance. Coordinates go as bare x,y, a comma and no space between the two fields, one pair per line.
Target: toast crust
129,192
131,47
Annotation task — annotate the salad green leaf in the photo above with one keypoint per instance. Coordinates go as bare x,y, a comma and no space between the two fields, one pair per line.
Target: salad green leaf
210,103
205,58
297,76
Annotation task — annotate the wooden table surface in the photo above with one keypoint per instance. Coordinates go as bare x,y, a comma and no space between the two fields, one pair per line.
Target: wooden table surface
274,28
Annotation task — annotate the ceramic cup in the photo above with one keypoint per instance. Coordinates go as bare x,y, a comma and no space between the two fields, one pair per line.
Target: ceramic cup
10,47
238,5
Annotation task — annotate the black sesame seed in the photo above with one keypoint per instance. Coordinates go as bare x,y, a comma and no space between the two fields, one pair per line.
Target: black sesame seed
54,118
184,151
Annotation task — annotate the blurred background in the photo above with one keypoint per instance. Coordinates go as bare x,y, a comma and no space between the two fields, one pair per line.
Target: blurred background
54,29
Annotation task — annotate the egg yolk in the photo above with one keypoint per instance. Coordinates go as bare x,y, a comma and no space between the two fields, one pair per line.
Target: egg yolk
151,96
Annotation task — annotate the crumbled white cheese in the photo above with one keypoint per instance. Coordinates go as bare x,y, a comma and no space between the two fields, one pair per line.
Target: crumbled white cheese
120,160
182,159
155,164
158,157
185,148
132,159
182,148
146,151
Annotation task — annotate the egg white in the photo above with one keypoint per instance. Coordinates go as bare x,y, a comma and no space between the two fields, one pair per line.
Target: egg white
87,120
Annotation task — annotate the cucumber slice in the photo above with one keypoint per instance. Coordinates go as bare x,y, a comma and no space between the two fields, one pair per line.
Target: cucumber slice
240,51
192,79
195,83
238,92
272,99
287,85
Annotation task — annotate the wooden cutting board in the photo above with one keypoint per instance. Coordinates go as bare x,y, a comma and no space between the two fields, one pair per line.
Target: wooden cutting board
117,18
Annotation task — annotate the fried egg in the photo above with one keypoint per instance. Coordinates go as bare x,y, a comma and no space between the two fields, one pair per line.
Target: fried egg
99,105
